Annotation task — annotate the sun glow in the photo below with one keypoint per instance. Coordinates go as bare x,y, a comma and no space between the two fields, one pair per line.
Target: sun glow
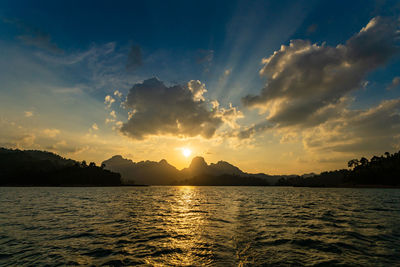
186,152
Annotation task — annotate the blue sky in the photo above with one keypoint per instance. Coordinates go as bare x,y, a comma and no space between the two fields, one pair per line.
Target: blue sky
60,59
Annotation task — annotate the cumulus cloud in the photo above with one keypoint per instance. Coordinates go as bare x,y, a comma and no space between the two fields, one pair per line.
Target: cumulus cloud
198,89
109,100
395,82
134,60
180,110
229,115
307,82
117,93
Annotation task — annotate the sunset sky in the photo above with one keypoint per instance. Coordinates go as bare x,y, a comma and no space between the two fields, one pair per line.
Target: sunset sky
279,87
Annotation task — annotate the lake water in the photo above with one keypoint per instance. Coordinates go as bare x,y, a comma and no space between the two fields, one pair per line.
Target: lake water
219,226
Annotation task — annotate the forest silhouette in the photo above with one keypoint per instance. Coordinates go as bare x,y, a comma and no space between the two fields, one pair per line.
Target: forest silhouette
40,168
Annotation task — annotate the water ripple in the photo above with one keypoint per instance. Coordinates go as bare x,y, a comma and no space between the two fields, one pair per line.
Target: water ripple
187,226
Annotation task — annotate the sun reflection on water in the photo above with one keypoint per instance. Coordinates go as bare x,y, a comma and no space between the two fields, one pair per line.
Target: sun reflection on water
185,224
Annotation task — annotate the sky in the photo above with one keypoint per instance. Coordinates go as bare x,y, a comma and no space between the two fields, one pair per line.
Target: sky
280,87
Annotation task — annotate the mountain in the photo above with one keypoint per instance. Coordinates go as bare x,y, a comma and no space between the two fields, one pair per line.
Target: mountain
42,168
162,173
143,172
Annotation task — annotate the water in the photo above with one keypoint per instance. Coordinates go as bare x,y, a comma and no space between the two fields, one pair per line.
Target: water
219,226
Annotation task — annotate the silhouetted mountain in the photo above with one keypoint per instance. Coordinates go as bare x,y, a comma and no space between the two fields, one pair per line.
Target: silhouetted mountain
198,166
41,168
143,172
162,173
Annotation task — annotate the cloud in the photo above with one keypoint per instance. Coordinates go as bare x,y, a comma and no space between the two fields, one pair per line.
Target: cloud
180,110
394,84
248,132
95,127
34,37
28,114
307,83
198,89
51,132
64,148
117,93
108,100
229,115
205,58
40,40
372,130
13,135
134,60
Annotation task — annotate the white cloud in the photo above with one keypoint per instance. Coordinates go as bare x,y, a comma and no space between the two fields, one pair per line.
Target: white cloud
198,89
108,100
95,126
117,93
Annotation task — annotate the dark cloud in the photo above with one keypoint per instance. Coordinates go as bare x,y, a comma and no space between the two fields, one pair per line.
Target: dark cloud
64,148
34,37
178,110
134,58
307,82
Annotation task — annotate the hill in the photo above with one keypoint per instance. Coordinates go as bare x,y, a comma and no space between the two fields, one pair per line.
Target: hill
41,168
379,171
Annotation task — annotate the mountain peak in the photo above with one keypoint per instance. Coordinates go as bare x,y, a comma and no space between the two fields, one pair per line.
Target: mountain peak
164,162
198,163
118,160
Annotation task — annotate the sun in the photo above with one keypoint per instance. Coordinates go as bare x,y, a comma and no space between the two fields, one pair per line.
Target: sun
186,152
